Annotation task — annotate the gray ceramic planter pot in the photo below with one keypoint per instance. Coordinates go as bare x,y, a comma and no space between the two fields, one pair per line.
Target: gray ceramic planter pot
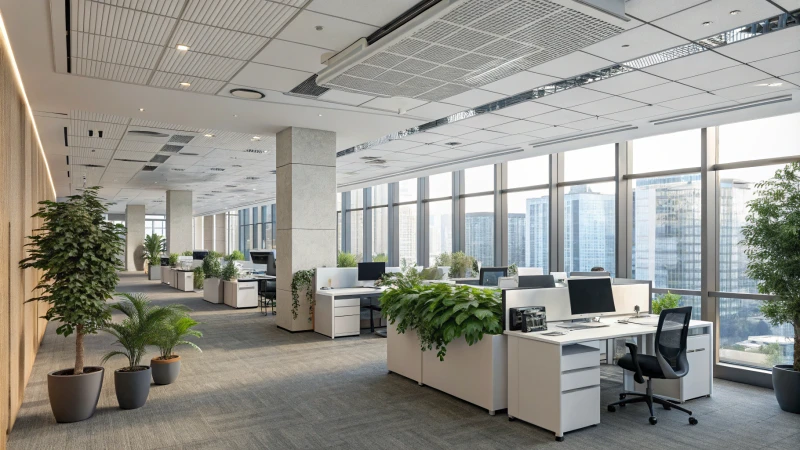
165,371
74,397
786,383
132,388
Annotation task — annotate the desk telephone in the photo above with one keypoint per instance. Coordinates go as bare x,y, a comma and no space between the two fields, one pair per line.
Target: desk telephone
528,319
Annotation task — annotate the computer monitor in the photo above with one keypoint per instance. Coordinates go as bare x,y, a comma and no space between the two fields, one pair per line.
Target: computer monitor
559,276
264,258
490,275
590,297
529,271
371,271
590,274
199,254
536,281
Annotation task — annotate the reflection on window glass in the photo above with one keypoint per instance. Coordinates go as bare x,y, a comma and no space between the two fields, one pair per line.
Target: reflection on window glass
736,188
408,233
380,234
440,185
587,163
440,229
380,195
667,151
528,229
529,172
357,199
479,229
746,338
479,179
589,223
746,141
357,233
408,190
666,231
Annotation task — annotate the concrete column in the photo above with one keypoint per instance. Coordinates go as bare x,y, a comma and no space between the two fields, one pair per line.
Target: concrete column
179,221
220,232
198,233
208,232
134,238
306,210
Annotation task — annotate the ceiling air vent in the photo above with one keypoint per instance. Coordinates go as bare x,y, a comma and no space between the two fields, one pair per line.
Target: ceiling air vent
147,133
217,169
181,139
308,88
90,165
369,158
252,150
190,154
171,148
274,172
452,144
149,168
159,158
376,161
230,186
129,160
175,169
253,178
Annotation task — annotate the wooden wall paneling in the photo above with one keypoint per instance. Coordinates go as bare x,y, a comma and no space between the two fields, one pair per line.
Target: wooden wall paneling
5,319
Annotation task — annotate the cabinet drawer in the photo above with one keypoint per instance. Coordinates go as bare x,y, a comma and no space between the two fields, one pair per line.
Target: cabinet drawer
580,408
346,325
346,310
578,356
337,303
698,343
580,378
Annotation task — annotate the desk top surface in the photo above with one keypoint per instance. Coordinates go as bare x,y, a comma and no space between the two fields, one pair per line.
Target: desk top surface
350,291
613,330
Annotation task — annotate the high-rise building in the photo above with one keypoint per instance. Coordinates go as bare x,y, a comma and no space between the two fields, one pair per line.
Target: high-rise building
537,227
516,239
589,222
479,237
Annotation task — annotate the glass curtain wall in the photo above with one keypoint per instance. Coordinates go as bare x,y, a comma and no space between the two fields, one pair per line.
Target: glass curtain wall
379,212
528,200
479,212
407,213
155,223
355,218
256,229
440,215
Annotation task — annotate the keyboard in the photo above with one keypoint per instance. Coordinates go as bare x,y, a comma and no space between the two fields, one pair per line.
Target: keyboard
581,325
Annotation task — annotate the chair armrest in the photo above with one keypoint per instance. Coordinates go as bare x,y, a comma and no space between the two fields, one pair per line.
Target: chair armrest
634,349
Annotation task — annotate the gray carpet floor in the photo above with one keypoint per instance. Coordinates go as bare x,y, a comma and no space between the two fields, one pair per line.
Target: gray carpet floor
255,386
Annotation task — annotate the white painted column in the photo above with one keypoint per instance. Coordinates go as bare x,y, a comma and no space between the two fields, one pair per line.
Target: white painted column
306,210
221,231
179,221
208,232
134,237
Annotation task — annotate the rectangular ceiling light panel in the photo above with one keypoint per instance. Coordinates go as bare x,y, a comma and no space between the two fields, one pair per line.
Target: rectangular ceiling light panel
457,45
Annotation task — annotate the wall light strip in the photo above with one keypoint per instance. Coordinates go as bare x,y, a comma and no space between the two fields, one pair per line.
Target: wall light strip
711,112
7,46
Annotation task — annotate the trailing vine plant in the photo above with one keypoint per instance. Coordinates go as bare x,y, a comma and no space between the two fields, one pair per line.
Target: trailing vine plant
303,279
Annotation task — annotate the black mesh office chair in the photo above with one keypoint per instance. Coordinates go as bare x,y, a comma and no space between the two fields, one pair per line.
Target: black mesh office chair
266,295
669,361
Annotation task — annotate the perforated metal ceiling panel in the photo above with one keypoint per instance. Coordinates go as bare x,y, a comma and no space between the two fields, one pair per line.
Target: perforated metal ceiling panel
475,43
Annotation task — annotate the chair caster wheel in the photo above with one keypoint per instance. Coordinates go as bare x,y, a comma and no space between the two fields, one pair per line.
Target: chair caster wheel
622,396
611,408
653,421
692,421
559,438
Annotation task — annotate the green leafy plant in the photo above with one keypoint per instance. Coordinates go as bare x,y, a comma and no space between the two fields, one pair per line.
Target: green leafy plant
444,260
187,253
215,255
139,329
173,259
229,272
199,277
441,313
771,238
344,259
380,257
430,273
77,251
665,301
212,267
512,270
460,262
173,332
303,280
153,246
235,255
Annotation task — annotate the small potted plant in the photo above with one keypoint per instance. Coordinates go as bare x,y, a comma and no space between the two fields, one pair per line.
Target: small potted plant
665,301
172,333
138,330
230,275
153,246
76,250
212,285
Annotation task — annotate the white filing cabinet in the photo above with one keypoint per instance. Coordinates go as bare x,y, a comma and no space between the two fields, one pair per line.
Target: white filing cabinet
338,311
240,294
185,280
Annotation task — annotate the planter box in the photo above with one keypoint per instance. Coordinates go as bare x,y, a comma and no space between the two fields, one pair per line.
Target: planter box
185,280
166,274
154,273
240,294
212,290
174,277
477,374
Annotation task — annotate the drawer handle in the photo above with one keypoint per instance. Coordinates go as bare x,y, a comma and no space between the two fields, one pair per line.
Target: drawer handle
580,389
582,369
247,288
700,349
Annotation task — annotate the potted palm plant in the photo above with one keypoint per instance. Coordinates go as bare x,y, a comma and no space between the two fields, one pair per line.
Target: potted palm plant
77,252
138,330
212,286
172,333
772,244
153,246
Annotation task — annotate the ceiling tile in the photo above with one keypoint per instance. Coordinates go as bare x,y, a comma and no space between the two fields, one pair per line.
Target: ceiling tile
755,88
793,78
641,41
451,154
594,122
517,127
473,98
453,130
689,23
631,81
425,149
249,16
648,10
374,12
519,82
425,137
559,117
348,98
435,110
217,41
606,106
484,121
336,33
576,63
269,77
515,140
524,110
638,113
765,46
779,65
394,104
572,97
662,93
397,144
482,135
690,66
549,132
483,147
199,64
693,101
291,56
723,78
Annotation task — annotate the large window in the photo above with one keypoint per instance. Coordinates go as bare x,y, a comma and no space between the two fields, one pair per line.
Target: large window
746,338
256,228
479,214
758,139
407,213
355,217
589,227
379,200
154,223
529,213
589,163
667,151
338,222
440,215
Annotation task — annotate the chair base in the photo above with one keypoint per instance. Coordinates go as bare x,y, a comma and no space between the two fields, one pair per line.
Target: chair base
650,399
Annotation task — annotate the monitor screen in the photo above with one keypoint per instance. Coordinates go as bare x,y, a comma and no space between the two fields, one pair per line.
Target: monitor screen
260,257
371,271
590,296
489,276
536,281
199,254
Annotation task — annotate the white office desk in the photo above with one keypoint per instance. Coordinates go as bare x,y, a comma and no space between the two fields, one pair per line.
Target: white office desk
554,381
338,311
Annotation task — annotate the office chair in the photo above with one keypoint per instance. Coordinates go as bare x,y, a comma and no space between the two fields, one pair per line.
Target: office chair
490,275
669,362
266,295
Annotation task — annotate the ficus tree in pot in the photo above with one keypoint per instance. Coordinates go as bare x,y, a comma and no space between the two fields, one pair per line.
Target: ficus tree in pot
772,244
77,251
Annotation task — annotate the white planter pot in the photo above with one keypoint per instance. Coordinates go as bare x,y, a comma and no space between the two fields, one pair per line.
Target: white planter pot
403,355
212,290
154,273
185,280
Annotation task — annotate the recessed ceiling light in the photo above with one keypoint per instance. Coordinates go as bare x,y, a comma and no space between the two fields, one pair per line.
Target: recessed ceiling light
235,115
141,109
182,47
320,115
775,84
251,94
185,84
705,24
209,135
254,189
319,27
256,138
735,12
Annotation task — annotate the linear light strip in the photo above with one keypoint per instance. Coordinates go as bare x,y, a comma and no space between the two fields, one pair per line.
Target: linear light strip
7,45
711,112
585,135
